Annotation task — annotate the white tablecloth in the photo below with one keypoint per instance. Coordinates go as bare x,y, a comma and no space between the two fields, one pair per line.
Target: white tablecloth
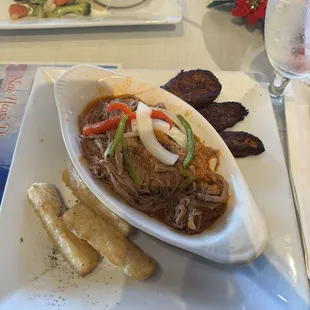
297,98
206,39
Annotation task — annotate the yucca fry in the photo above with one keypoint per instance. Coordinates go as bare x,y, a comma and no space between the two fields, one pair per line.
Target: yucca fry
47,204
110,243
79,189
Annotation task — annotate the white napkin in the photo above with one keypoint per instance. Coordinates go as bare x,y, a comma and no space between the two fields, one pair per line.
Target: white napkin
297,110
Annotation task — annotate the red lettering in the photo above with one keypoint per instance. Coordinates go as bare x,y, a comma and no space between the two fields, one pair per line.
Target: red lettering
4,129
12,97
12,83
10,87
9,99
15,79
9,102
4,108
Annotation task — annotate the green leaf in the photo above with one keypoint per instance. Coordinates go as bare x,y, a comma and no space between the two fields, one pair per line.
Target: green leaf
219,2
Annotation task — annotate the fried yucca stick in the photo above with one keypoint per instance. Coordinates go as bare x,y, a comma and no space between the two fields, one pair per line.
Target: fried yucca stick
47,204
72,179
108,241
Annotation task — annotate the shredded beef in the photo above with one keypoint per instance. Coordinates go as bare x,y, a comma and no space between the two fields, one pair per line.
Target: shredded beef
190,211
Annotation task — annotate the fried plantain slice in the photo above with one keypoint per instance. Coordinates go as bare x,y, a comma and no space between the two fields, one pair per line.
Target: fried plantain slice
224,115
242,144
197,87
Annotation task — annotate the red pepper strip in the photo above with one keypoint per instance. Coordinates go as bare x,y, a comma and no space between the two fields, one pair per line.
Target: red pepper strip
119,107
112,123
106,125
161,115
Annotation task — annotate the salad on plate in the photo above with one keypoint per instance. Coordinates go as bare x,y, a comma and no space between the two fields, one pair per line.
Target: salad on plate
48,8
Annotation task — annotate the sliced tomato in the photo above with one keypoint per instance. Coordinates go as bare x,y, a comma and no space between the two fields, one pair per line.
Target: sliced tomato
17,11
60,2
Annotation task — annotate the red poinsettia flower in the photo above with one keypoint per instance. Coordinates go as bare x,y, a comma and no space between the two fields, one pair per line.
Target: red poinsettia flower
252,10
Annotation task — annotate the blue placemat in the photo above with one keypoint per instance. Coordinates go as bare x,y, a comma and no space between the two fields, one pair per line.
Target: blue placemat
15,86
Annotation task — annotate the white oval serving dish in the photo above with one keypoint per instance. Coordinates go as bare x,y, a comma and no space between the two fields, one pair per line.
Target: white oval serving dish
238,236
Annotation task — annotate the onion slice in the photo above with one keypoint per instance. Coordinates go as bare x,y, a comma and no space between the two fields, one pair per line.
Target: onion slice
107,149
174,133
131,134
148,138
133,125
173,117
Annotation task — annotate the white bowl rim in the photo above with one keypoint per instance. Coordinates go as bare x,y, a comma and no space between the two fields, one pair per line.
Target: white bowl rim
247,235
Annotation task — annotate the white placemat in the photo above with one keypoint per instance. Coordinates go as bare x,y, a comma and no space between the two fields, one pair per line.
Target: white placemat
297,112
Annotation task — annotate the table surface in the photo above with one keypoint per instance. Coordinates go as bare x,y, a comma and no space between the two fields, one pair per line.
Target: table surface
275,280
207,38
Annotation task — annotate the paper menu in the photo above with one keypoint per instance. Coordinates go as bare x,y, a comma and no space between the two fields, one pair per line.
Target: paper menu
15,86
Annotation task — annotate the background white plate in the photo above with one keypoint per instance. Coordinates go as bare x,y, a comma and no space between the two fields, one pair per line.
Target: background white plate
120,3
149,12
30,279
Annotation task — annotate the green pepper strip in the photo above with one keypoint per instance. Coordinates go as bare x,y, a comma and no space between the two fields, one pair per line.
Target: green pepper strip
186,184
186,173
190,142
131,170
118,135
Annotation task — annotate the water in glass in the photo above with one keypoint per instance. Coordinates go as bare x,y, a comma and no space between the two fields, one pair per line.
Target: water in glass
287,35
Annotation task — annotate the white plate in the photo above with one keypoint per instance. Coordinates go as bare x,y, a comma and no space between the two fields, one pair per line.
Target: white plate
149,12
239,236
120,3
275,281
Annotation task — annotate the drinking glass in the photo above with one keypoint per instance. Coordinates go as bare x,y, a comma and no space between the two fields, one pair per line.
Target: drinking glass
287,37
